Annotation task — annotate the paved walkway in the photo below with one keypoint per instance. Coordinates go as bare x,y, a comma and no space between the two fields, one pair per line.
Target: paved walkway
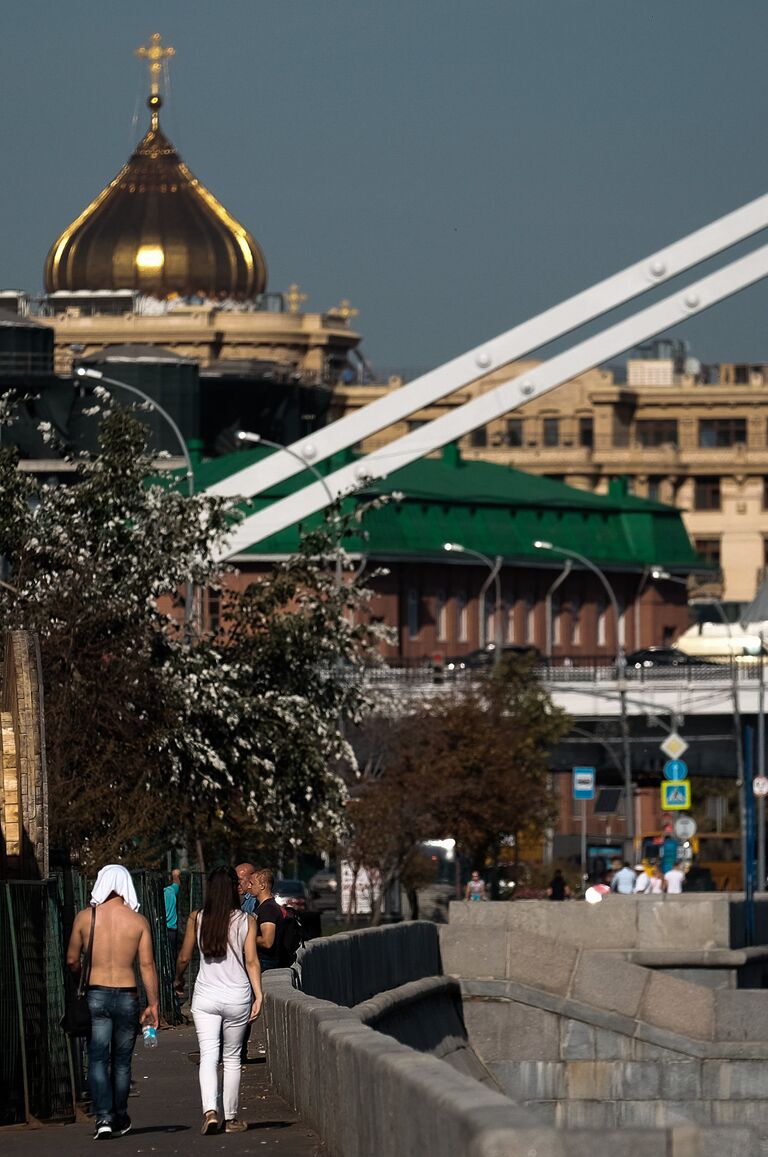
166,1112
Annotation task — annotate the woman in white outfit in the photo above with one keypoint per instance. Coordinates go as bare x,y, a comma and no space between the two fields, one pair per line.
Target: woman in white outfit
227,992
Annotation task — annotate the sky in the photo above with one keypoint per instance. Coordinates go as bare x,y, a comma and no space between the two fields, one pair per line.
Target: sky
450,166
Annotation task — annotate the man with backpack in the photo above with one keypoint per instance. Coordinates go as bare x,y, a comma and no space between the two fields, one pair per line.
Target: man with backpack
269,919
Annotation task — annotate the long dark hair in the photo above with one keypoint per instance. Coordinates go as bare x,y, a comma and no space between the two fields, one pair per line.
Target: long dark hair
222,898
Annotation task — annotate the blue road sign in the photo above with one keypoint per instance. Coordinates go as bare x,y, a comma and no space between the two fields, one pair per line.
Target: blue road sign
676,796
675,769
583,783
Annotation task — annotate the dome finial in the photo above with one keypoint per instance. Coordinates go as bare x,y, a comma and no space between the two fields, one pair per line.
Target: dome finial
155,55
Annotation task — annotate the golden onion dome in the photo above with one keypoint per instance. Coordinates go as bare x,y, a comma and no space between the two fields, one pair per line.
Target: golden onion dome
156,229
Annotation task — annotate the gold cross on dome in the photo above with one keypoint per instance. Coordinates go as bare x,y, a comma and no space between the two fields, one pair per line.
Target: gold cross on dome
155,54
295,298
345,309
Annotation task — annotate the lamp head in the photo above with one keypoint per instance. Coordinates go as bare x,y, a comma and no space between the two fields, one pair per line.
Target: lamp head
456,546
658,572
539,544
87,372
247,436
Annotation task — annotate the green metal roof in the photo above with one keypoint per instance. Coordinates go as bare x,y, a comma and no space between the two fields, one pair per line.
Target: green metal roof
489,508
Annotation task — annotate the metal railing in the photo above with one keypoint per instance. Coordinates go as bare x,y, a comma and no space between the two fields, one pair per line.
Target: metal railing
42,1071
567,669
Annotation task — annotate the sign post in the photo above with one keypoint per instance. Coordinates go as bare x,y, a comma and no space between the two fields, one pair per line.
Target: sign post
584,789
676,795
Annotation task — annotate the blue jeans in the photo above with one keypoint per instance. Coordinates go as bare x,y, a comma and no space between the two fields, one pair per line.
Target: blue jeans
114,1028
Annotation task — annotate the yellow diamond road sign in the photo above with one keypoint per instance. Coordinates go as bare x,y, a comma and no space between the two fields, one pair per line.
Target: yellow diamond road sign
674,746
676,796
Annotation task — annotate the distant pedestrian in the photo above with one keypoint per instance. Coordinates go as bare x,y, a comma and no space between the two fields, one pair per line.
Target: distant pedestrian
227,994
642,880
657,881
623,881
171,898
475,889
245,874
120,936
673,880
558,889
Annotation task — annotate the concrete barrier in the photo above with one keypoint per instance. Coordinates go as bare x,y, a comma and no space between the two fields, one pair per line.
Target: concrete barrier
706,920
353,966
358,1076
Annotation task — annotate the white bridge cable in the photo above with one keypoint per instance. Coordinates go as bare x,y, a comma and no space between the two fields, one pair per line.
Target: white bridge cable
500,400
515,343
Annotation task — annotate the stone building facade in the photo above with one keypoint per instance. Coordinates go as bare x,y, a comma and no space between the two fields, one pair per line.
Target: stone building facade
697,440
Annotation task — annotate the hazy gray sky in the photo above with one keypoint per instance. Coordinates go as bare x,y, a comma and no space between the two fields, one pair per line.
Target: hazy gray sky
451,166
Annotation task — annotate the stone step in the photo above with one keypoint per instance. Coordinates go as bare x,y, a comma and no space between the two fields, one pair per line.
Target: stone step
652,1114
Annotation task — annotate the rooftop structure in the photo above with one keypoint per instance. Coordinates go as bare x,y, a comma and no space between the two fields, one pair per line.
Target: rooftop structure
155,228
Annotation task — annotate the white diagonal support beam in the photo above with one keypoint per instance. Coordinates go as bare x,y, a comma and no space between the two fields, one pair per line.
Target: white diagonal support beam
515,343
698,296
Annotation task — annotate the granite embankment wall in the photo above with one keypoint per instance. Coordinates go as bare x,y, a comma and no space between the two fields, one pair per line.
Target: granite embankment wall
374,1055
582,1036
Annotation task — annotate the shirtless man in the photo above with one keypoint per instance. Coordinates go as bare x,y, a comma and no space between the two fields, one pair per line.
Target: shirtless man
120,937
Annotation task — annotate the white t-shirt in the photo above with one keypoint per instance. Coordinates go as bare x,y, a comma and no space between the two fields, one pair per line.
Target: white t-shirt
674,878
657,885
642,883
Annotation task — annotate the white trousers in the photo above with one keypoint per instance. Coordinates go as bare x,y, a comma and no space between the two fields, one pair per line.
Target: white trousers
216,1018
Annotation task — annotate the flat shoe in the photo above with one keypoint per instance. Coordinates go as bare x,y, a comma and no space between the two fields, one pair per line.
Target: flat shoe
235,1126
210,1123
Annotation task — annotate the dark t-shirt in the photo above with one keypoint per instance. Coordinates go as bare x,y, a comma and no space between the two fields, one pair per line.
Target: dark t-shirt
269,912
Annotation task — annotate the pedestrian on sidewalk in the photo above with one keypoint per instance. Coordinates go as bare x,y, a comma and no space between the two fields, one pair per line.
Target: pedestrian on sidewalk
245,874
623,881
269,918
674,879
171,900
120,935
227,995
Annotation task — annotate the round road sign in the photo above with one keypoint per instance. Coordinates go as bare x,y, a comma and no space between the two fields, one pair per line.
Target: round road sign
685,827
760,785
675,769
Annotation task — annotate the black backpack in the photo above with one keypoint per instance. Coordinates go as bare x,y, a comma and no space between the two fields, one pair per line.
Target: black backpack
290,937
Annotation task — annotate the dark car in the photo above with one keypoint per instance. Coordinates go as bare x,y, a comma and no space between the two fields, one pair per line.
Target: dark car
292,894
485,655
660,657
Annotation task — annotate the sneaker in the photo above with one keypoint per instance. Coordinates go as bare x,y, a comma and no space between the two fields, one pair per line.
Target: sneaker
210,1123
121,1126
235,1126
103,1130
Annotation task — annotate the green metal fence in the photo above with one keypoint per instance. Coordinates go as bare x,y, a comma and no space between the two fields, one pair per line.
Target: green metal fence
42,1073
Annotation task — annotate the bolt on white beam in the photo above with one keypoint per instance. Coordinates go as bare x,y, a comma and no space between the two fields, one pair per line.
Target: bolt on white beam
515,343
502,399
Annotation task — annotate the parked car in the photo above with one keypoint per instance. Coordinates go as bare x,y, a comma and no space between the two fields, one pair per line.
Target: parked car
485,655
660,657
292,894
323,892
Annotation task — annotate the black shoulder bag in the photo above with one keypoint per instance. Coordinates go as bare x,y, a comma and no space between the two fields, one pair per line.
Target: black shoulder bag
76,1020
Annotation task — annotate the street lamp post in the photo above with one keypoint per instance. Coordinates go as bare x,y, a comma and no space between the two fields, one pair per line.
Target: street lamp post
494,566
259,440
98,376
621,664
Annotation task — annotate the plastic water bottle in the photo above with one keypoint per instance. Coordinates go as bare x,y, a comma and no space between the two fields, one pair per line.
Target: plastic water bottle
150,1036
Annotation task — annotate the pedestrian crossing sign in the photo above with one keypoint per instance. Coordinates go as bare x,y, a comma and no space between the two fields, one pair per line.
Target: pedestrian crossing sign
676,795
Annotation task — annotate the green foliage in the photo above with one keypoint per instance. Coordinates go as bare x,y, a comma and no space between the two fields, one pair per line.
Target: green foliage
154,736
471,765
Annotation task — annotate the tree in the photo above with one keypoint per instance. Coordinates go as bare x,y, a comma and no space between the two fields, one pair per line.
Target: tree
472,765
154,737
